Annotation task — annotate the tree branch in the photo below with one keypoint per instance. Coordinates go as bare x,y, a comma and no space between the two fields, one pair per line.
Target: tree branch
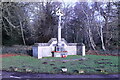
9,22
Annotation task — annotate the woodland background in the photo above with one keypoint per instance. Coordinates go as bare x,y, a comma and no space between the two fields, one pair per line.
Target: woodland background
95,24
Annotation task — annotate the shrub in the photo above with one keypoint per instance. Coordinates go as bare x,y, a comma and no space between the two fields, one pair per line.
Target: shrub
17,49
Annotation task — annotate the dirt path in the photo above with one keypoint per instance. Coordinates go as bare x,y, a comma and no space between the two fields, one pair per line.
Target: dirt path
11,54
7,55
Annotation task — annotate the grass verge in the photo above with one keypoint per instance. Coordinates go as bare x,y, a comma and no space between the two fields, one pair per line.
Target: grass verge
90,64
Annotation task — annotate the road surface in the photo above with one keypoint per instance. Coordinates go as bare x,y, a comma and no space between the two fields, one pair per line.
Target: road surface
20,75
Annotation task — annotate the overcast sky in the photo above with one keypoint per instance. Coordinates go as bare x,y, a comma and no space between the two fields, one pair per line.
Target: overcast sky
72,1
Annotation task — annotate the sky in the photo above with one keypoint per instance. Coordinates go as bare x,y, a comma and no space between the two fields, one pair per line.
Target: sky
60,0
70,1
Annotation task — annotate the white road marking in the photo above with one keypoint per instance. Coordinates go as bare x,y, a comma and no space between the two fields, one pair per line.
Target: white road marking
14,77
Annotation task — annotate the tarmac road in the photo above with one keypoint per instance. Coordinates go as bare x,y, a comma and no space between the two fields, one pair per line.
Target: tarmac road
20,75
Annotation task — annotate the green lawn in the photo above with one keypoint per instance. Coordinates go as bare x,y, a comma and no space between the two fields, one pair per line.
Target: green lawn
92,64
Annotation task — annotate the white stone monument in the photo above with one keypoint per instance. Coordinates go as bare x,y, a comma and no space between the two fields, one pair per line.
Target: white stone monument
57,46
60,14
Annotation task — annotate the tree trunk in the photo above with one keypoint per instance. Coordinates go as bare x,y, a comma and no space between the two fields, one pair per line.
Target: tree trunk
89,31
91,38
22,33
106,31
100,33
101,36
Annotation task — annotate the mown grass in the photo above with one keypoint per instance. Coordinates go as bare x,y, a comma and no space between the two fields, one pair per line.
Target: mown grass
93,64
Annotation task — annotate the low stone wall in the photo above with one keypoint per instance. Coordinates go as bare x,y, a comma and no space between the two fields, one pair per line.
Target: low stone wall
44,49
71,50
35,51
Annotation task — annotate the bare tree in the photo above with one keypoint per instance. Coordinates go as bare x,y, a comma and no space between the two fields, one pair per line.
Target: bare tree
89,28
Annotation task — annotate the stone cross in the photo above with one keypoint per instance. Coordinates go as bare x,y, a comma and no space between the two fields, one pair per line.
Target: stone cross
60,14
